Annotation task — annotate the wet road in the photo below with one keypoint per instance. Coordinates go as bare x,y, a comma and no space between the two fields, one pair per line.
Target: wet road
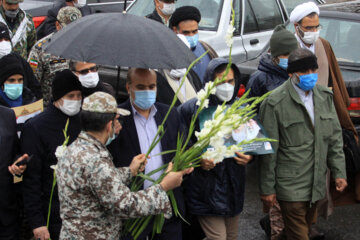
343,224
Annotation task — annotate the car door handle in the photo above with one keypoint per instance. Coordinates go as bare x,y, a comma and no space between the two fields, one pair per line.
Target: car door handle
254,41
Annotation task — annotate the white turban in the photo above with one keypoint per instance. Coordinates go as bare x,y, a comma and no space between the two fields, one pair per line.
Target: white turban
302,11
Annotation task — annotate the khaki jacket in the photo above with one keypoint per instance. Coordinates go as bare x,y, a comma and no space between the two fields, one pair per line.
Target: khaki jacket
297,169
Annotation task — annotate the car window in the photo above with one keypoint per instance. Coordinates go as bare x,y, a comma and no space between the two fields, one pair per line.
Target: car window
210,10
267,14
291,4
237,24
250,25
344,38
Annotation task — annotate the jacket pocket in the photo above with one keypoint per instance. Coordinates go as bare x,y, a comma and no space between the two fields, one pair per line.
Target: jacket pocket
293,134
326,124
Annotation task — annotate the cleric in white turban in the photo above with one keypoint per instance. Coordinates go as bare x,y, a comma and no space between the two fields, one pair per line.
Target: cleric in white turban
302,11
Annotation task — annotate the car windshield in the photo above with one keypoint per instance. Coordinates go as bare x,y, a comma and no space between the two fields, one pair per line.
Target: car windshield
291,4
210,10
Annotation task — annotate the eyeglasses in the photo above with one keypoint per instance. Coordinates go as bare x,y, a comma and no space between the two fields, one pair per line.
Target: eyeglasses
312,28
87,70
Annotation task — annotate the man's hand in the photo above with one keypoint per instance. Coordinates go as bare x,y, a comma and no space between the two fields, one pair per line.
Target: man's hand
41,233
341,184
138,164
242,159
268,202
207,164
173,179
15,170
117,125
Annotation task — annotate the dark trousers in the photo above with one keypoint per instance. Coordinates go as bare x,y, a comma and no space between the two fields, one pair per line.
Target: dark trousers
9,232
298,218
54,230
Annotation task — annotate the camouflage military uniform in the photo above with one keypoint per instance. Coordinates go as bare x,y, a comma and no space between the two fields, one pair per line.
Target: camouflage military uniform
93,194
23,33
45,66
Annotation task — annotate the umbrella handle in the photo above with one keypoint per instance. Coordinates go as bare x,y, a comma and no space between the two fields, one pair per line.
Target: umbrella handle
125,6
117,83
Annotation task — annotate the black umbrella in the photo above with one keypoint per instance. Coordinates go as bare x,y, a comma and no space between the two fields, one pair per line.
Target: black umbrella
120,39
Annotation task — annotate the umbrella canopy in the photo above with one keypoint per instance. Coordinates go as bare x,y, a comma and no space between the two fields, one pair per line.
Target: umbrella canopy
120,39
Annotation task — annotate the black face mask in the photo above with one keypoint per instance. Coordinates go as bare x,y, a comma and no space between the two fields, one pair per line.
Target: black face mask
11,14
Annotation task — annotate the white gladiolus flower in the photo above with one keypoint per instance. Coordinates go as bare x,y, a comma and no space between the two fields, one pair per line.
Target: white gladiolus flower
54,167
60,150
206,103
229,35
217,141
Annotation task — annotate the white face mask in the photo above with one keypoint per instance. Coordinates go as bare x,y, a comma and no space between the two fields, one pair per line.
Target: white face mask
310,37
5,48
168,9
80,3
177,73
225,91
70,107
89,80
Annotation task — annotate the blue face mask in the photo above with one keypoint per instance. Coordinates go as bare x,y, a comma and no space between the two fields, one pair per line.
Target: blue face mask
308,81
283,63
145,99
110,139
193,40
13,91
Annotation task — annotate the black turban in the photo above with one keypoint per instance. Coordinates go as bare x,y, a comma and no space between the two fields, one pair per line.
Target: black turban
184,13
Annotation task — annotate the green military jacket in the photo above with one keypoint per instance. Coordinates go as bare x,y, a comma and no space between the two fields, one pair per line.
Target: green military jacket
23,33
297,169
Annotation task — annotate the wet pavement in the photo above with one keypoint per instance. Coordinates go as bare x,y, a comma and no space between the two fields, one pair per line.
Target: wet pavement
343,224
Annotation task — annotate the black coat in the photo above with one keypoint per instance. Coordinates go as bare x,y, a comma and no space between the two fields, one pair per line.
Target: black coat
8,150
40,138
268,77
126,145
155,16
165,93
49,23
219,192
100,87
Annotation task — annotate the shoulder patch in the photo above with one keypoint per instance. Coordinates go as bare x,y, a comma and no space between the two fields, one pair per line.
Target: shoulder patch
40,44
276,97
33,63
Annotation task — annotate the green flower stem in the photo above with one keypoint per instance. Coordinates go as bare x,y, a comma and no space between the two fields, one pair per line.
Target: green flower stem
51,197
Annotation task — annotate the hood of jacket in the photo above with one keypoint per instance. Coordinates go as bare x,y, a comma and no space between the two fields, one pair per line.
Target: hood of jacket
210,74
268,66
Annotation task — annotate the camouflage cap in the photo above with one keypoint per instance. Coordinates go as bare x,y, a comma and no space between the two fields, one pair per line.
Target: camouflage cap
14,1
68,15
102,102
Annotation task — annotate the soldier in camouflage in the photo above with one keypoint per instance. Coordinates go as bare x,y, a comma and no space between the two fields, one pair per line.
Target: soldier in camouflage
21,26
93,194
44,64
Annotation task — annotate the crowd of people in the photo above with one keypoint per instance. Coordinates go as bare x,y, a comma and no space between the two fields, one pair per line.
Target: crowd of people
306,113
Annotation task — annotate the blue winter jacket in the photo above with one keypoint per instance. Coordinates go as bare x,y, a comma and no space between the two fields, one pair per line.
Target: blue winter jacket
268,77
220,191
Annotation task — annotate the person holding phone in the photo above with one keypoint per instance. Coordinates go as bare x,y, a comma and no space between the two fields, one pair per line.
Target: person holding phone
9,209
